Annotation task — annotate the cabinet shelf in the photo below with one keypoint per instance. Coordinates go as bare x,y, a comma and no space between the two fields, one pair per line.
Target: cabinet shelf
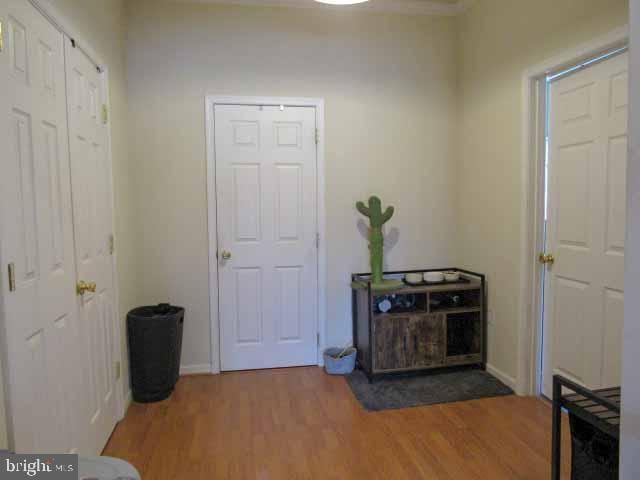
454,310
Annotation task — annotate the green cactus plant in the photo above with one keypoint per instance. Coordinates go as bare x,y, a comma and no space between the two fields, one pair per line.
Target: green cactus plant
376,241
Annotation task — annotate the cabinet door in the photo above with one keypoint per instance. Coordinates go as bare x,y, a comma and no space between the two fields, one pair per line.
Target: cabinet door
391,342
426,340
403,342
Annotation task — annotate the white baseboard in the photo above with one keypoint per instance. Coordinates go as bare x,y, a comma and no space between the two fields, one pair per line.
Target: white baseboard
195,369
128,398
503,377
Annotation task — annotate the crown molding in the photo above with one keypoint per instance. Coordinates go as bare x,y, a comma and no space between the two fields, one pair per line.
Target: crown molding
411,7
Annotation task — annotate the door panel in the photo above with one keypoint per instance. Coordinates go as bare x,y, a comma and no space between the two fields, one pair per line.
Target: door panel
92,226
572,307
289,202
248,300
290,303
616,195
247,199
40,320
572,170
266,210
586,225
614,313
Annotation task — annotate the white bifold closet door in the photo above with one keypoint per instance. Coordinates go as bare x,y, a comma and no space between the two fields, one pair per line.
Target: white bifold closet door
91,186
60,348
40,312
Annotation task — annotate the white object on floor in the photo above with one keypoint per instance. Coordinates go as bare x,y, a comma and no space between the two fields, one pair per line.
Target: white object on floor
106,468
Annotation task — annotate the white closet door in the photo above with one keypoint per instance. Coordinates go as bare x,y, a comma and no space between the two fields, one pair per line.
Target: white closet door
266,202
40,314
90,180
584,292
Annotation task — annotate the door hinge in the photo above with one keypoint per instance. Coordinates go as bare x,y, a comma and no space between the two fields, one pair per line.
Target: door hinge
1,37
318,339
317,136
105,114
112,244
317,240
12,277
118,372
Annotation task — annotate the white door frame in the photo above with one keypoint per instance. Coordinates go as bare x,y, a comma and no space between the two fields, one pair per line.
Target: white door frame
68,30
214,316
532,206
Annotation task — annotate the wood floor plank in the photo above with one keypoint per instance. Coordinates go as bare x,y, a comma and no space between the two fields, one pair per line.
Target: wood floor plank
302,424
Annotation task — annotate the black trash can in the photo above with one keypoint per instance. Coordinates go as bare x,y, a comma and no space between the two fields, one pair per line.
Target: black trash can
155,345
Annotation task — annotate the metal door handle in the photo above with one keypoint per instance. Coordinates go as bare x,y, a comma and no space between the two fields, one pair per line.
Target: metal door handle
546,259
225,254
12,277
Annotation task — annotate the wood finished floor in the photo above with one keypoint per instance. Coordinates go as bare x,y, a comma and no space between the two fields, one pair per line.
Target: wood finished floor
301,423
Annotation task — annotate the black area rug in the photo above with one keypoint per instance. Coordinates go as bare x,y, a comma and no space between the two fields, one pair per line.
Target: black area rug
403,392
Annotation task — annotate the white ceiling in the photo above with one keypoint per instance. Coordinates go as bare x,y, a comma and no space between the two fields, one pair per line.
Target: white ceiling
414,7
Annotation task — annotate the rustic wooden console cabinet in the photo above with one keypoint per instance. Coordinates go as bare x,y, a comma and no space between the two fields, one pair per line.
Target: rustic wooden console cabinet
429,326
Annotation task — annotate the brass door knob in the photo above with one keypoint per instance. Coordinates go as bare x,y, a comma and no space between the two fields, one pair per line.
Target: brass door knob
225,254
546,259
83,287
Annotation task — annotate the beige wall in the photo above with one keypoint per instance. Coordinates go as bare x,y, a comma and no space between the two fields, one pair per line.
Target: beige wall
497,41
102,24
389,85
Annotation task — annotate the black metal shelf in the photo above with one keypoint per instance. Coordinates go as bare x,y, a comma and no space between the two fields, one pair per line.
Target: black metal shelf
599,408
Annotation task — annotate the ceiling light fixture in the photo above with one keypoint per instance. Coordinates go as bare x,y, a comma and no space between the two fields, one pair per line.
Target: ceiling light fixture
341,2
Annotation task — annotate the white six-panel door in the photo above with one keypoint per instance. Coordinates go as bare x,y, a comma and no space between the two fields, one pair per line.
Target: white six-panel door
90,174
40,316
267,225
584,291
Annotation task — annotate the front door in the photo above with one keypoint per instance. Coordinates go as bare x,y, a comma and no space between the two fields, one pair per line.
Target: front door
584,291
266,194
90,180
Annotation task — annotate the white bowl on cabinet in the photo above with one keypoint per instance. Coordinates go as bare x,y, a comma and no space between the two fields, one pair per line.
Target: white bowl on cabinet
413,278
451,276
433,277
